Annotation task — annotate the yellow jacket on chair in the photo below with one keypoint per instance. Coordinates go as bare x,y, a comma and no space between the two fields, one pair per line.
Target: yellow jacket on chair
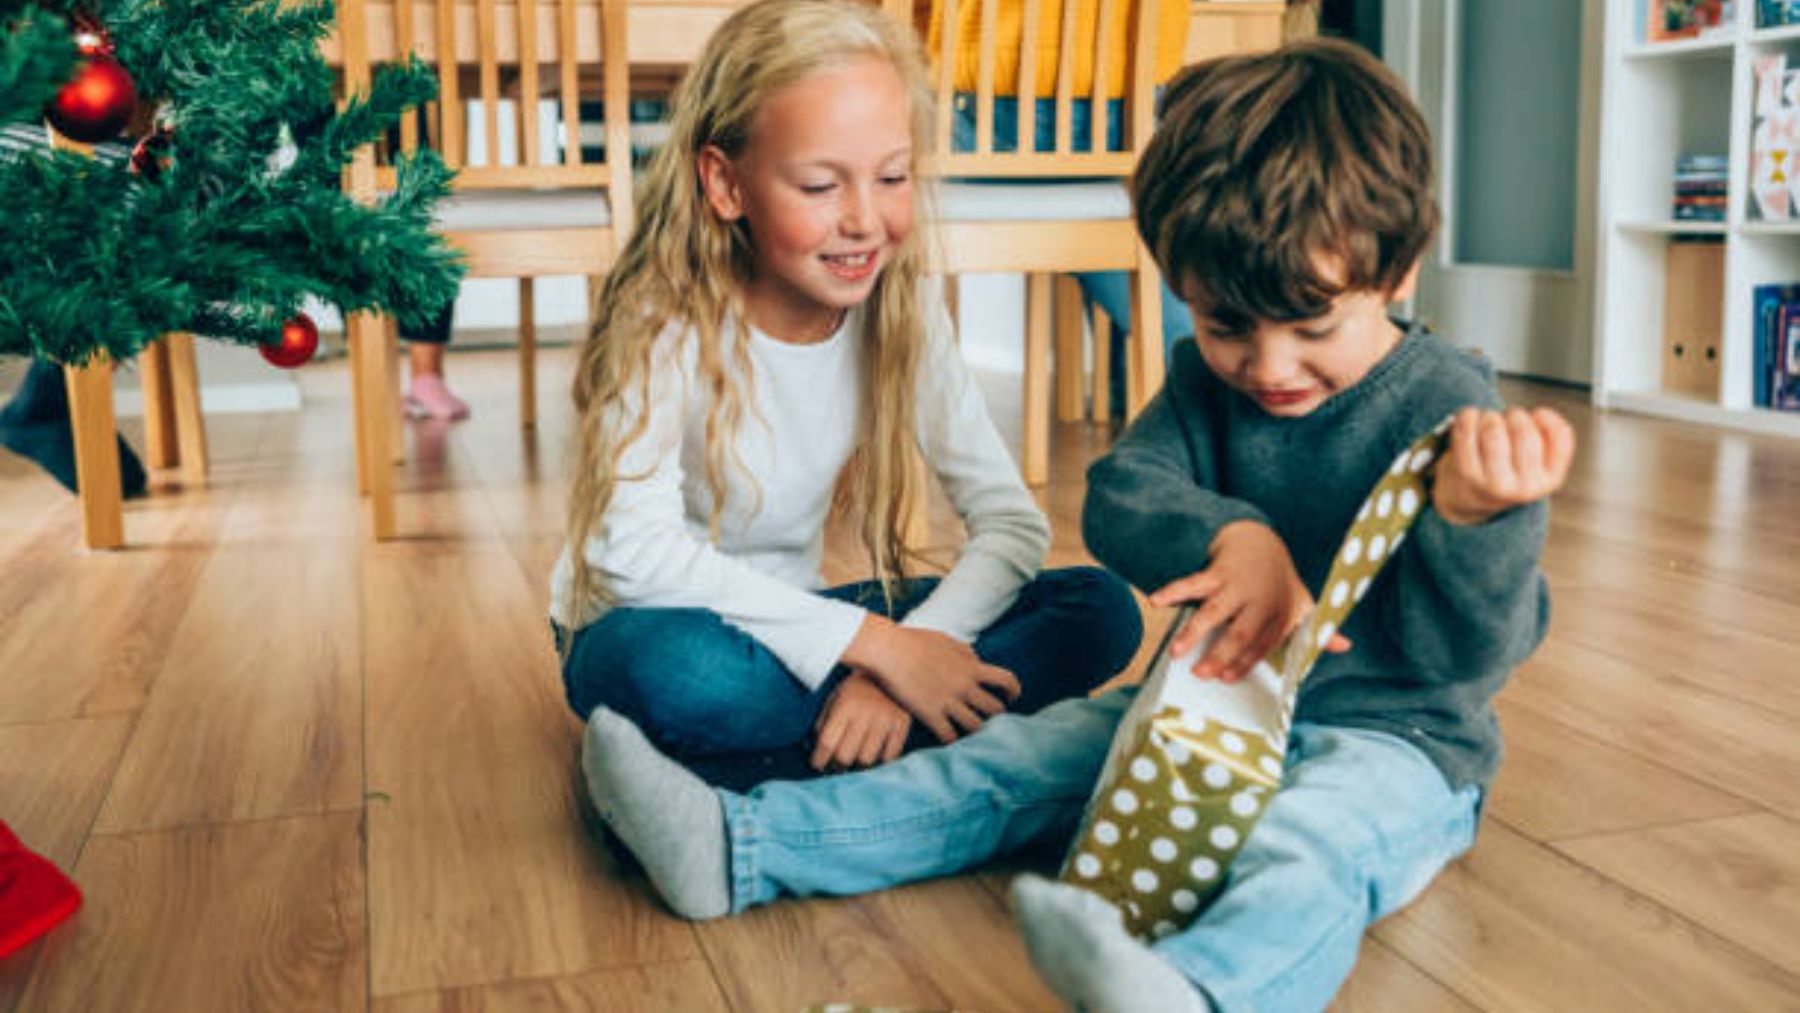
1171,41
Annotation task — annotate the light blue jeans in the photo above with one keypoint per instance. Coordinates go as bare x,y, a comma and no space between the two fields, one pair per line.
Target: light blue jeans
1362,824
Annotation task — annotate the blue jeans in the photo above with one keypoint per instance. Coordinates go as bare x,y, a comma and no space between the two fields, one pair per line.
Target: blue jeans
713,697
1111,289
1362,824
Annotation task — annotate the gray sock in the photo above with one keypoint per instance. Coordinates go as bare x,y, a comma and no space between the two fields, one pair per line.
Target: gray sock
1079,944
669,818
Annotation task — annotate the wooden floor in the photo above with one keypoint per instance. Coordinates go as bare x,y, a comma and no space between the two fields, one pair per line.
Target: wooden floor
294,770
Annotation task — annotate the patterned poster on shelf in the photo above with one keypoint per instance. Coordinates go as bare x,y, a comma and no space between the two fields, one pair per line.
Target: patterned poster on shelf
1775,139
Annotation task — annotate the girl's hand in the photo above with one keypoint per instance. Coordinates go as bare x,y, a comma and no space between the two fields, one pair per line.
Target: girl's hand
1250,592
860,726
1500,461
937,678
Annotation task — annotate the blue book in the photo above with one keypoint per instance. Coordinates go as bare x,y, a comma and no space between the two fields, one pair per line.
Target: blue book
1784,394
1769,304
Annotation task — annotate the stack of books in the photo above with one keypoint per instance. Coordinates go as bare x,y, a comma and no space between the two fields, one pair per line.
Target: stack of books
1700,188
1777,359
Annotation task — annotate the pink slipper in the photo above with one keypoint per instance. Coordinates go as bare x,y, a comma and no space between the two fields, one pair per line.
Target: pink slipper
429,398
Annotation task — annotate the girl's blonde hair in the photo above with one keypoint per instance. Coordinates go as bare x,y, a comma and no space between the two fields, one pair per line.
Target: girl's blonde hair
683,264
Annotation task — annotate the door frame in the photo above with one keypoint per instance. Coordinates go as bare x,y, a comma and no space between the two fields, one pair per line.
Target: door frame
1525,320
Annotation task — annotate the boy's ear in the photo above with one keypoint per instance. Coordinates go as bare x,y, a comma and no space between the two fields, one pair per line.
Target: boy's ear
1409,285
718,179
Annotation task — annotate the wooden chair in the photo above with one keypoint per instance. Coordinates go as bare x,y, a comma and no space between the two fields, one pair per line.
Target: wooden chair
549,214
1046,213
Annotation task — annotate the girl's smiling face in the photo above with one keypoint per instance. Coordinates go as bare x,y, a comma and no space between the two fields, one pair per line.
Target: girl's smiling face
824,185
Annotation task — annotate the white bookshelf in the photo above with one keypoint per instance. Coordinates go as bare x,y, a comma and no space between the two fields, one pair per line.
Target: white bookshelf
1660,100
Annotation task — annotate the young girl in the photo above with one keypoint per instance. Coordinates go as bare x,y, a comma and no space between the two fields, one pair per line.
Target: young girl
766,346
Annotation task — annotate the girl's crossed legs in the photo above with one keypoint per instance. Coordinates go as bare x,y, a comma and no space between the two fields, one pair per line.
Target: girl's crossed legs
716,699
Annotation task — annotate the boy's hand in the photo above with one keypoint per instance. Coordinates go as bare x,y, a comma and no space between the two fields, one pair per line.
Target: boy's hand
860,726
1251,591
1499,461
938,679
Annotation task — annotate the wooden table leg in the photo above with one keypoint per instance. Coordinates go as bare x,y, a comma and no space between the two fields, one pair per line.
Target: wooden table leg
160,447
96,454
377,411
190,424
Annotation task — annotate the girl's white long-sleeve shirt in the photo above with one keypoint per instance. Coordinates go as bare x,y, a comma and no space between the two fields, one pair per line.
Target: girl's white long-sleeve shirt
652,546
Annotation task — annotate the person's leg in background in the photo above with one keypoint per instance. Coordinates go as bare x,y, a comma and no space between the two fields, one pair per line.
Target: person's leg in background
427,395
35,425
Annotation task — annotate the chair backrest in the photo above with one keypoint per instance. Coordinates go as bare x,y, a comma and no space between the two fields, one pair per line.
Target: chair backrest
1085,58
517,52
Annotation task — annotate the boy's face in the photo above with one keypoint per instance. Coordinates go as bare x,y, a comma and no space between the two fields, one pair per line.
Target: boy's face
1291,368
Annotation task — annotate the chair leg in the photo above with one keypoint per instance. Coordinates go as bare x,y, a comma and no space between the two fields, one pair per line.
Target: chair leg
389,331
159,419
1037,378
1071,369
94,429
360,416
190,424
377,410
527,354
1146,333
1103,363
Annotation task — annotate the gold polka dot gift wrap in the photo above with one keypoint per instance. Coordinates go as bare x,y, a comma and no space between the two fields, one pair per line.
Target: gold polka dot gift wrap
1196,761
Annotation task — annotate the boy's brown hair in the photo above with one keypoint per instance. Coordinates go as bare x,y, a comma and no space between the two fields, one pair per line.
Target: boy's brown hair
1277,181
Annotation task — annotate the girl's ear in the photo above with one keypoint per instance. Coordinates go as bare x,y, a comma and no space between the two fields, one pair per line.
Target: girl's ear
718,178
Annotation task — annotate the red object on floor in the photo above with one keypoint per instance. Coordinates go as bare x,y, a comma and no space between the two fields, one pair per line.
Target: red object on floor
34,895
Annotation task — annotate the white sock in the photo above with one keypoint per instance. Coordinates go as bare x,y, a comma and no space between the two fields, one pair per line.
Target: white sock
669,818
1079,944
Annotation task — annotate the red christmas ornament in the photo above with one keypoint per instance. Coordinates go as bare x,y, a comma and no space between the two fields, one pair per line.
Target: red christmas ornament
299,340
99,100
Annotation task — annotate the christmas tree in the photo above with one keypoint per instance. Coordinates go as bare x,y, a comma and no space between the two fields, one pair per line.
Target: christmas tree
231,210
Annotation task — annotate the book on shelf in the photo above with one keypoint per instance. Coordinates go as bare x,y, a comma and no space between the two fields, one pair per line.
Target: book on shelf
1776,357
1700,187
1689,19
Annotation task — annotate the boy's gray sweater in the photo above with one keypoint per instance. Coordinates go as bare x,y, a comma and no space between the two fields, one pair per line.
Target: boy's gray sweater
1448,618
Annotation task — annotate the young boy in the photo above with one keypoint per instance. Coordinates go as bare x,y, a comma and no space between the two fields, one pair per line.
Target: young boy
1289,197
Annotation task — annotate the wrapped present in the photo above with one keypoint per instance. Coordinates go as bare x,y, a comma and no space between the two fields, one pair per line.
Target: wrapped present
1196,761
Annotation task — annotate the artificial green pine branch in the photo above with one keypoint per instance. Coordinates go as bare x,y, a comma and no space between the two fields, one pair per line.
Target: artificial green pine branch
247,217
36,55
